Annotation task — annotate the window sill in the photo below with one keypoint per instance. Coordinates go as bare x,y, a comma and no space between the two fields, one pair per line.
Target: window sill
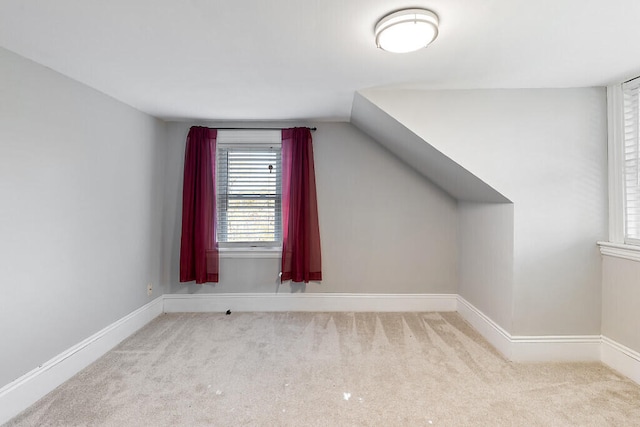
620,250
254,253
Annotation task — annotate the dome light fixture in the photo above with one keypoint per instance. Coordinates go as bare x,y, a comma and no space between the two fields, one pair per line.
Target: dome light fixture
406,30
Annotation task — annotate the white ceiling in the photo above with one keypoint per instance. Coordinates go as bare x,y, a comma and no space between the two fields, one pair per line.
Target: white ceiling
304,59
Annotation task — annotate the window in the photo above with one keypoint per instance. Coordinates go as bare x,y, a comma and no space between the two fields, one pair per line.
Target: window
623,117
631,161
248,169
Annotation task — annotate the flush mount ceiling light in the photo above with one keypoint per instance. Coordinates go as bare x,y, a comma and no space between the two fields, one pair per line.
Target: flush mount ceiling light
406,30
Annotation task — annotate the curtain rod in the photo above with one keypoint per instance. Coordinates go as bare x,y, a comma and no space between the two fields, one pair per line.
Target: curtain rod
311,129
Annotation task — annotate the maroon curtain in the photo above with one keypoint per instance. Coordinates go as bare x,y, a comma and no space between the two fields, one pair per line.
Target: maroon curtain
198,248
300,231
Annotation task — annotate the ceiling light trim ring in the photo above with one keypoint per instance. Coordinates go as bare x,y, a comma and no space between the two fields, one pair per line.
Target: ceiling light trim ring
404,17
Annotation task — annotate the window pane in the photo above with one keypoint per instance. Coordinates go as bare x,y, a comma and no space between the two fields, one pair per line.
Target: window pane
631,166
251,220
248,185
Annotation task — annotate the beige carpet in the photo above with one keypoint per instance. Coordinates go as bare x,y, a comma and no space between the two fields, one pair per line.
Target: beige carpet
329,369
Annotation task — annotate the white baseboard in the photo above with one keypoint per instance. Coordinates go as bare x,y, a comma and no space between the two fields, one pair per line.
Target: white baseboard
565,348
549,348
26,390
490,330
621,358
309,302
515,348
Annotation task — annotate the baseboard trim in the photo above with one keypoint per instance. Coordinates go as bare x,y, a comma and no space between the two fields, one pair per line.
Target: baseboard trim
26,390
621,358
562,348
490,330
565,348
333,302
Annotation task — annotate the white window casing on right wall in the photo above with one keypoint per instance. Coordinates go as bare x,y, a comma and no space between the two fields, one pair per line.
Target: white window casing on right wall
623,111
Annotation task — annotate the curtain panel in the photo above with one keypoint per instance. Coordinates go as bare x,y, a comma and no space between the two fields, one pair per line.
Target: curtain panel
301,260
198,247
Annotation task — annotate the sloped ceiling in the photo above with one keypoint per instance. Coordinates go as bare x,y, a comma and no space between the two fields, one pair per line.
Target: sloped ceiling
420,155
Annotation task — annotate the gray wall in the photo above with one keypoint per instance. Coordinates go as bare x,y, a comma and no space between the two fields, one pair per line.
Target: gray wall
621,301
545,150
384,228
485,258
80,212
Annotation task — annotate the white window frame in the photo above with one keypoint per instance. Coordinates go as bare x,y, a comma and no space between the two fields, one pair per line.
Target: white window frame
248,138
617,245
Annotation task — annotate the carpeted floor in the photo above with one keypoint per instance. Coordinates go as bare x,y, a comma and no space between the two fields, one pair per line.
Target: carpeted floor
329,369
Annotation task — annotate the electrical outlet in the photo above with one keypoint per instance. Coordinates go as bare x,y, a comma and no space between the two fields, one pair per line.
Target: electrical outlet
149,289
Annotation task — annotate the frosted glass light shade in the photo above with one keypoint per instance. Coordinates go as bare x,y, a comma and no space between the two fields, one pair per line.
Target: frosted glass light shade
406,30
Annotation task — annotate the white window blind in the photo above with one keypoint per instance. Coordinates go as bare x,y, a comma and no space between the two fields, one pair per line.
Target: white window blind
631,168
249,188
